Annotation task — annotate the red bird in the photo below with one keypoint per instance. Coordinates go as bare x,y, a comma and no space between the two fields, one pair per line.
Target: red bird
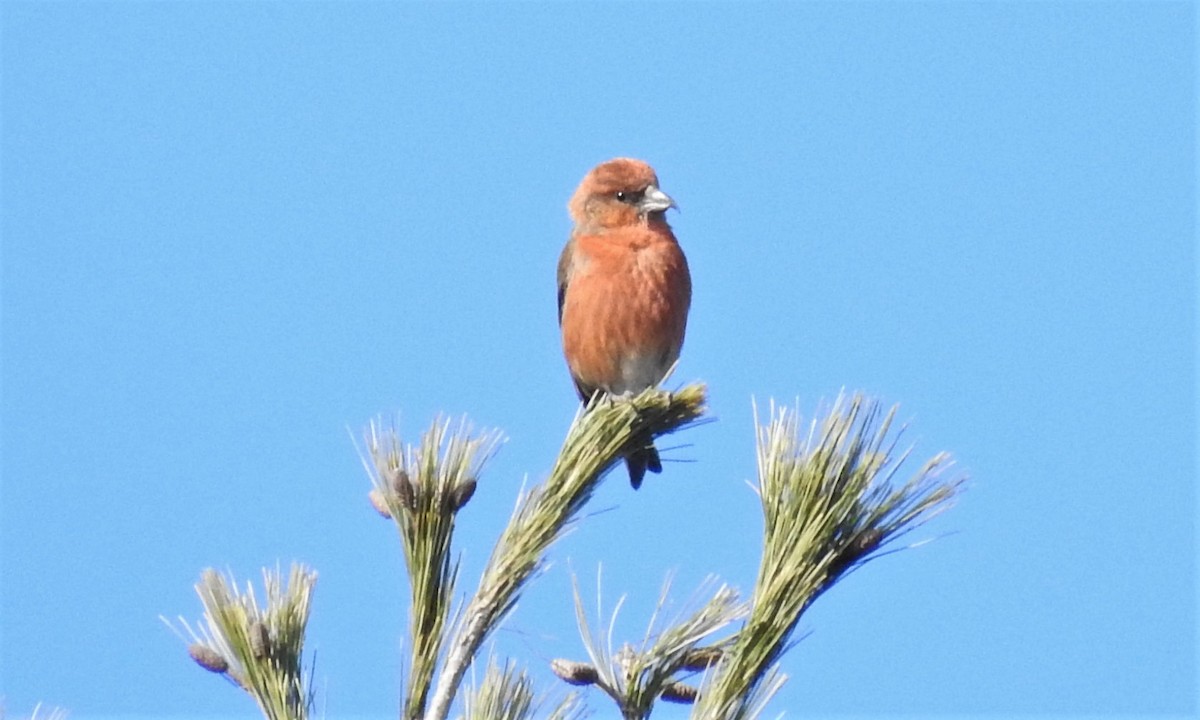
623,289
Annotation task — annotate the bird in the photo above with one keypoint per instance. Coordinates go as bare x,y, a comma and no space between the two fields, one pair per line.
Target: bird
624,290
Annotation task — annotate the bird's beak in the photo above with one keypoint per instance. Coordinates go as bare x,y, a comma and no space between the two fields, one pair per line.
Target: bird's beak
655,200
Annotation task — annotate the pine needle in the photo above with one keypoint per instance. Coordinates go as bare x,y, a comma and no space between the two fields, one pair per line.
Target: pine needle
422,489
600,436
829,504
258,648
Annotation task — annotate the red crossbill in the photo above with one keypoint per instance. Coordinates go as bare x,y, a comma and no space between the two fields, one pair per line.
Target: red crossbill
623,289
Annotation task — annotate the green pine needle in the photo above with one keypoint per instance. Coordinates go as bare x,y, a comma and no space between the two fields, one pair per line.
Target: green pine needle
830,504
600,436
39,713
506,693
258,648
635,678
423,488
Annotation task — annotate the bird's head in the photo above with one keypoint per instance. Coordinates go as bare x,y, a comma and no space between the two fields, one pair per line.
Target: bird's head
619,193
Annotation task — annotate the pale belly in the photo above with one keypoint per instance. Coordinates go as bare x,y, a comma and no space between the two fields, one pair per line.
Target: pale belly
638,372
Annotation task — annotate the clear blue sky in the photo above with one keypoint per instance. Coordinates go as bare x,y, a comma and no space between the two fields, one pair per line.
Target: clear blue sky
232,232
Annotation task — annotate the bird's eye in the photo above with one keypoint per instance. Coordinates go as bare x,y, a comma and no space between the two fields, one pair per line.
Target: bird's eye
631,198
621,196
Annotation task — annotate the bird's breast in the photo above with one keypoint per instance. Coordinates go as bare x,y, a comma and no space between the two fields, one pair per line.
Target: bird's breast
625,313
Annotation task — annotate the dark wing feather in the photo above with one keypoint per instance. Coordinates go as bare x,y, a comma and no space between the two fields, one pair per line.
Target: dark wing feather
564,279
564,274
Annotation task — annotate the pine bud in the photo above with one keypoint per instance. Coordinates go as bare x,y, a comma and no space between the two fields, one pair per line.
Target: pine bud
861,545
575,673
463,493
677,692
379,503
260,639
866,542
207,658
701,658
404,489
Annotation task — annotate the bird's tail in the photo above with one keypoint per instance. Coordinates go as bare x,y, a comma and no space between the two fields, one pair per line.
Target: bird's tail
641,460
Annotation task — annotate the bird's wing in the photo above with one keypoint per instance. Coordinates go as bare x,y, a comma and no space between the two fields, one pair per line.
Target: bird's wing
565,265
564,274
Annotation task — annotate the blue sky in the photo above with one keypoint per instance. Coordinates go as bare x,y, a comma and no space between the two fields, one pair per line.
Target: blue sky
233,232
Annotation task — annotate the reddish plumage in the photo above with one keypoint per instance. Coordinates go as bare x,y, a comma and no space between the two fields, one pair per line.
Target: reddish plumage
623,289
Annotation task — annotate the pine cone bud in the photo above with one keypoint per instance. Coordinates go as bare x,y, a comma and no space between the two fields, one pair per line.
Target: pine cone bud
575,673
859,546
866,542
207,658
463,493
677,692
260,639
701,658
405,489
379,503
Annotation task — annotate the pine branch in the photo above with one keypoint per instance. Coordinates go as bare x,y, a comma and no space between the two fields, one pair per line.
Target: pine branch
829,505
259,649
605,431
422,489
506,693
637,677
